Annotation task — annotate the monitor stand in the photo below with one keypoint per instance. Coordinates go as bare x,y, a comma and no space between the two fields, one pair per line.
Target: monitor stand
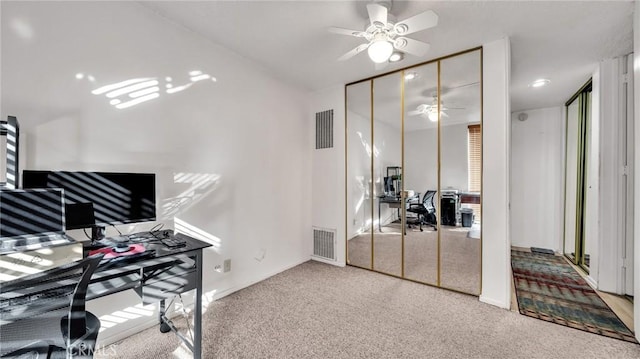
97,234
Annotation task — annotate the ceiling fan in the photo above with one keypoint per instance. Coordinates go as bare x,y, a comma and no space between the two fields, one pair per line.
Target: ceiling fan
383,35
431,111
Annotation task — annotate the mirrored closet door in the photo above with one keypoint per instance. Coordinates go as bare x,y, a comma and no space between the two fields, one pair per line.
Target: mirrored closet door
414,172
576,246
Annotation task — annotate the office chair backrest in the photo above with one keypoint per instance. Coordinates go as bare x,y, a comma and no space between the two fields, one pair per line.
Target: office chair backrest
427,200
61,287
77,321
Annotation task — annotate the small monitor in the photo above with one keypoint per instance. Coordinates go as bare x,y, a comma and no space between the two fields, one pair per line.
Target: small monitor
31,213
79,215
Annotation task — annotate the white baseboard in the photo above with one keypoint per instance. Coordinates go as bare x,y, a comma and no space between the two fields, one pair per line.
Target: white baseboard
335,263
591,282
494,302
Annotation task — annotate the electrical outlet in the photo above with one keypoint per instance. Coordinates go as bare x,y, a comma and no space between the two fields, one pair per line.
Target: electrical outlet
227,265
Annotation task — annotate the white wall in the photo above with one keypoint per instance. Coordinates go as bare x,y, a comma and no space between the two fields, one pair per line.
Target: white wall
536,179
421,158
496,244
454,156
328,185
242,141
387,152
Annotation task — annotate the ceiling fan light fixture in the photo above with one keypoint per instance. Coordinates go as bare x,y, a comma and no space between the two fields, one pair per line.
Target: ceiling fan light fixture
410,75
396,56
379,51
540,83
433,115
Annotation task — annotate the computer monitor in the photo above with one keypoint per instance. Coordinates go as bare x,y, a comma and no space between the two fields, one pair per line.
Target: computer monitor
79,215
30,216
97,199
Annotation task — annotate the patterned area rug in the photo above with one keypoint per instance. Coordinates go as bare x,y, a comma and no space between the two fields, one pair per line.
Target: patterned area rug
548,288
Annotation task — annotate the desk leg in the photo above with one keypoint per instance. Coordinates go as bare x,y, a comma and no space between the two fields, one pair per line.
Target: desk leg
379,227
197,318
164,327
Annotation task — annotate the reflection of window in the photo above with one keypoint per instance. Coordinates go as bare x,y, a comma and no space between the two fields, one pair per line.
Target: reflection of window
475,164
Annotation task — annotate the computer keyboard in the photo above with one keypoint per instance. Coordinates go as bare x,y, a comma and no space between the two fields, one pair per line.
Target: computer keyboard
31,304
173,241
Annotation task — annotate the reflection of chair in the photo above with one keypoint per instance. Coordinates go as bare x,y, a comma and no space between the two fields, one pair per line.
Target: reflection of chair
426,211
78,330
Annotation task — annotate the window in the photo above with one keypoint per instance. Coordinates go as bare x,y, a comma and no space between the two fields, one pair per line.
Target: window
475,164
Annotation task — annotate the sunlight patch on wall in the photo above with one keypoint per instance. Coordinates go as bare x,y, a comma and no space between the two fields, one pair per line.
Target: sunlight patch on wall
190,230
199,186
131,92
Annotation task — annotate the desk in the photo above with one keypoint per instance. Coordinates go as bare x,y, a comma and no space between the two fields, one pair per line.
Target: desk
169,272
469,197
392,202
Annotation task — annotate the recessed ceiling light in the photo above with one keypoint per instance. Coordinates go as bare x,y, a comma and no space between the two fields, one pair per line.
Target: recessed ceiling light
396,56
540,83
410,76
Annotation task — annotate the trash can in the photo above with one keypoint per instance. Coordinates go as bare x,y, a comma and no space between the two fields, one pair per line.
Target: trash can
467,216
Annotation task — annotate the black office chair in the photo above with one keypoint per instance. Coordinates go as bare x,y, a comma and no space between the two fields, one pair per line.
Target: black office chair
78,329
425,211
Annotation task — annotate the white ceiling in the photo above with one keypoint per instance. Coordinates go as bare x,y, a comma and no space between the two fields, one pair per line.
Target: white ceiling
559,40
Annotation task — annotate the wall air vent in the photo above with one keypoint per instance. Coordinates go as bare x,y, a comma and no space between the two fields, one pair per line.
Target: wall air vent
324,129
324,244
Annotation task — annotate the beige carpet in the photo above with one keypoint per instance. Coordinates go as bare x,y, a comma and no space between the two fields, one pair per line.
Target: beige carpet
459,255
317,310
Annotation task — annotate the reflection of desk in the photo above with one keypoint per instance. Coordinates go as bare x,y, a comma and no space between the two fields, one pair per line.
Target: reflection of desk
168,273
470,197
392,202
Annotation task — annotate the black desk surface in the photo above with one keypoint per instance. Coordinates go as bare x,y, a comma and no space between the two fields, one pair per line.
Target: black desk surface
21,325
110,277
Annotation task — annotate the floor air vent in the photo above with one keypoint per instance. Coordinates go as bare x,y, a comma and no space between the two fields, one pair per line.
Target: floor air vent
324,243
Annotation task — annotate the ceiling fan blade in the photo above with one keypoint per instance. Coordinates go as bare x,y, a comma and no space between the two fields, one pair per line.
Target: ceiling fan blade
411,46
377,14
423,107
443,114
465,85
415,113
416,23
353,52
342,31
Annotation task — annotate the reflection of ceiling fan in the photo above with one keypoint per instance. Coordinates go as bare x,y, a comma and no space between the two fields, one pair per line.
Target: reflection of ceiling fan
431,111
384,35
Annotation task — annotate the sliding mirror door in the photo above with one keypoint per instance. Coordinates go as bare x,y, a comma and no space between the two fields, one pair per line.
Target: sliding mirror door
387,174
459,120
421,173
414,172
576,246
359,184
